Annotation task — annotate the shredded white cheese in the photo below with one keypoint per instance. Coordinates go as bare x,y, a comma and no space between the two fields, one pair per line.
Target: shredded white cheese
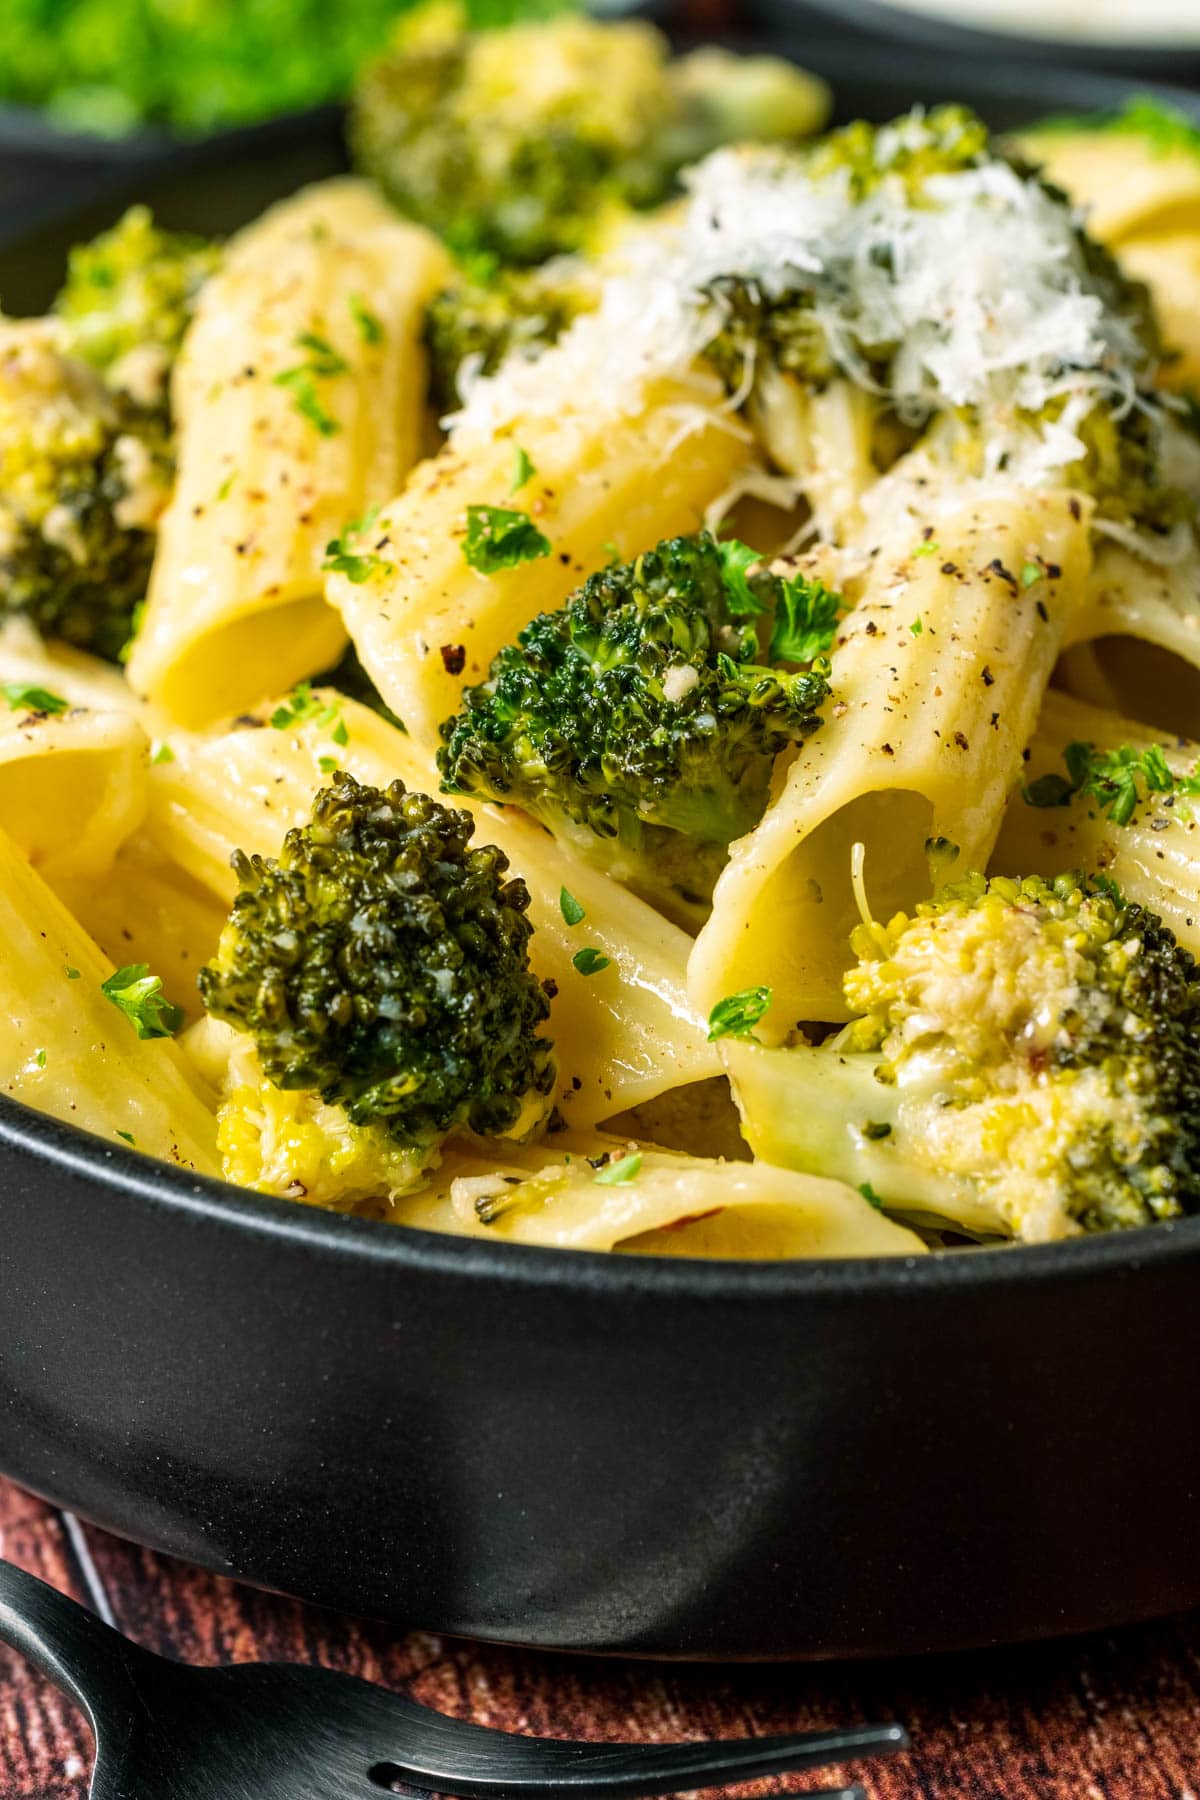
976,294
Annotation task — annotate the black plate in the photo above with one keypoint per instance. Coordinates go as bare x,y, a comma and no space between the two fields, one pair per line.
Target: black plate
595,1453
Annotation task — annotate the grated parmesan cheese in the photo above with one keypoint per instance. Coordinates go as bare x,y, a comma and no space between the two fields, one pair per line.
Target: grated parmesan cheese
975,290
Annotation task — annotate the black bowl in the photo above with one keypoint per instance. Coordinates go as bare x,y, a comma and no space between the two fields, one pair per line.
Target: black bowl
701,1460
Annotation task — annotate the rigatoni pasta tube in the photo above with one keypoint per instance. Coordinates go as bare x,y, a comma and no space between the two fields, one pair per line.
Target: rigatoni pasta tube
148,910
1129,184
1134,645
427,622
938,673
72,787
1154,857
299,396
623,1034
67,1050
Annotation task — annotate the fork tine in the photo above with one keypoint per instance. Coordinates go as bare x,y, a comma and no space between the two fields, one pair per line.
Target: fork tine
481,1764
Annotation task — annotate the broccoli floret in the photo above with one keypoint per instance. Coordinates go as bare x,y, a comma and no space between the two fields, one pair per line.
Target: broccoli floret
84,476
638,722
471,328
380,967
129,297
1025,1061
518,141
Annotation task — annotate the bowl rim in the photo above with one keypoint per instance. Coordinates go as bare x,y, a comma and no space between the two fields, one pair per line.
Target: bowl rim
210,1202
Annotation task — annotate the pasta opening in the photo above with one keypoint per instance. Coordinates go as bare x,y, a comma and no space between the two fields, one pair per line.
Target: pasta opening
226,670
806,911
1137,680
68,811
699,1118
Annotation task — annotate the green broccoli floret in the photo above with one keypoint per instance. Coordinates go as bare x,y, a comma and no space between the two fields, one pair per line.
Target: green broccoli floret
129,297
638,722
380,967
475,325
84,476
1025,1061
518,141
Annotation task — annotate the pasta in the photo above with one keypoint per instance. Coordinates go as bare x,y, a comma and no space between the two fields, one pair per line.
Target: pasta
942,661
1134,645
1153,855
67,1051
630,752
299,404
72,786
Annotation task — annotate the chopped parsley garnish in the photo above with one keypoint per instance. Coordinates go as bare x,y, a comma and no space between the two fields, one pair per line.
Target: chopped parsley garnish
226,486
870,1196
1118,780
341,558
139,995
303,707
72,974
39,1057
327,764
737,560
738,1014
571,910
928,548
916,628
1031,572
617,1174
589,961
805,621
161,752
368,324
22,697
523,470
500,538
322,361
129,1137
136,618
1165,128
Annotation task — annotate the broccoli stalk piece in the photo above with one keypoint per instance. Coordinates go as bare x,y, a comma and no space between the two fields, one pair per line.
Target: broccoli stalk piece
1025,1062
380,970
470,329
83,478
638,722
450,124
128,299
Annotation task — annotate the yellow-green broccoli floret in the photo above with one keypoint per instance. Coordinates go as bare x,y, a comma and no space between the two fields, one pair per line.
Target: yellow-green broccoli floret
83,478
639,721
380,969
517,141
128,299
1025,1061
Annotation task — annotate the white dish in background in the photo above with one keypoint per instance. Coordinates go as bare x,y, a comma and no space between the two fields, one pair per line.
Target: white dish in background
1110,22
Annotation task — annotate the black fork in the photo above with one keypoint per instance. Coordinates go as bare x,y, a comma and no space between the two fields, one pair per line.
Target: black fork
282,1731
